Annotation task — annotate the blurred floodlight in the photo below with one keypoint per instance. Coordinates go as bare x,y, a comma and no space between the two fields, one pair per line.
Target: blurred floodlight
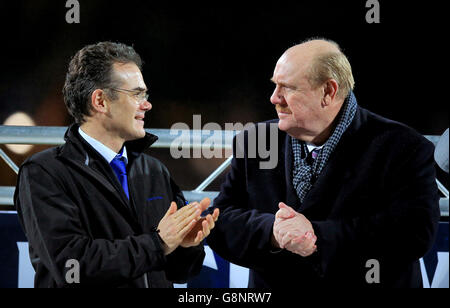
19,119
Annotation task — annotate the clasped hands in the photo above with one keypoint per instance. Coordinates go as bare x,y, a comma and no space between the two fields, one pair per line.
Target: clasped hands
293,231
185,227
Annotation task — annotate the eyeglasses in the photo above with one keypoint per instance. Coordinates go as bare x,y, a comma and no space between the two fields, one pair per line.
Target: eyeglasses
139,96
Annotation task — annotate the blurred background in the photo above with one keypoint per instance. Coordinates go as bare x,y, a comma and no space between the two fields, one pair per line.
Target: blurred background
216,60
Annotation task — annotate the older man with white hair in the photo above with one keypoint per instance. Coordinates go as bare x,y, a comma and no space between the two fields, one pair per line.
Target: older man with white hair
353,200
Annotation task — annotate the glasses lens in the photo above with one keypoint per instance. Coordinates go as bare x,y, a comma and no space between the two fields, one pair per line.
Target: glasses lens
143,97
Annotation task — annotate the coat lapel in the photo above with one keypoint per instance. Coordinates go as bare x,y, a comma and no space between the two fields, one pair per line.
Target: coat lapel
106,183
291,195
336,172
330,179
82,157
99,177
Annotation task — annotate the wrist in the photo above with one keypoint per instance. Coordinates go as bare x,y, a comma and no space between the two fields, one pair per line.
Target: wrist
274,242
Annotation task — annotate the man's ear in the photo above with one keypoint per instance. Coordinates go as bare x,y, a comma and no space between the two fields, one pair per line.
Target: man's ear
330,89
99,101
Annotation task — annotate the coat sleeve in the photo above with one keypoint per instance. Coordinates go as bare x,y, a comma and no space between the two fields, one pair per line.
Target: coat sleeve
406,227
55,232
183,263
241,235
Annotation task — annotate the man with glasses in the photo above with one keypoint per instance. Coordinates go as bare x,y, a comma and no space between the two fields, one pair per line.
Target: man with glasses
98,201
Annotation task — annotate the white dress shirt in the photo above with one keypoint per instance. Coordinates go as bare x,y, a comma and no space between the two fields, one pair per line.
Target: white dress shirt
102,149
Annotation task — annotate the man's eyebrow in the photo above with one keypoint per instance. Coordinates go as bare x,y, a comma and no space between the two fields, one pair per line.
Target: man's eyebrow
281,83
139,89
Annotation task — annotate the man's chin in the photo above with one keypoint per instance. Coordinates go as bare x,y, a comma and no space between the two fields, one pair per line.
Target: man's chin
290,130
140,134
282,125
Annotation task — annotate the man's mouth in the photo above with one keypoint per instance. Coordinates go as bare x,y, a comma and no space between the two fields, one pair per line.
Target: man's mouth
283,112
140,118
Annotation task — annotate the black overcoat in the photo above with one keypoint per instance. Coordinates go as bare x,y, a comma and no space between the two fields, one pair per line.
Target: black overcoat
72,207
376,199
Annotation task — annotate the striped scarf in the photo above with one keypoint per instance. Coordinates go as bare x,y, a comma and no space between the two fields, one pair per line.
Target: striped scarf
305,174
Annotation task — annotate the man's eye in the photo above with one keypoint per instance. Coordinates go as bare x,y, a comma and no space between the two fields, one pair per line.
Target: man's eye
291,88
141,95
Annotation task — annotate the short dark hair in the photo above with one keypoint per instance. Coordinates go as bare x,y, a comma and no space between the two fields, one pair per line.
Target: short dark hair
91,68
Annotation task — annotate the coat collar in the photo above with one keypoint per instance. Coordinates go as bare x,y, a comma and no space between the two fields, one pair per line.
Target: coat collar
76,148
138,145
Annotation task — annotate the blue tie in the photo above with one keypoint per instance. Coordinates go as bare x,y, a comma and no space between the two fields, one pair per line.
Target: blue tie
119,167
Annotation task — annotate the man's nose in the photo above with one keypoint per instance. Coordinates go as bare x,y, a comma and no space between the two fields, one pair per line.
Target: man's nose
276,97
146,106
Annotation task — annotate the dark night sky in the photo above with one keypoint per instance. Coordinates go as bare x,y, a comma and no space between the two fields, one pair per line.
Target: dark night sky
216,59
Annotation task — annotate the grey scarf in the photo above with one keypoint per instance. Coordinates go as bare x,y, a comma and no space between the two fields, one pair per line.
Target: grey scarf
304,173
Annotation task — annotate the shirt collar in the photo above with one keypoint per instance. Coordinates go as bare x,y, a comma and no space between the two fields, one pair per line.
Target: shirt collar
312,147
102,149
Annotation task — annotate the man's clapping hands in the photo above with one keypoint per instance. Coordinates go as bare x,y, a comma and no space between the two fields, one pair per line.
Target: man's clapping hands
185,227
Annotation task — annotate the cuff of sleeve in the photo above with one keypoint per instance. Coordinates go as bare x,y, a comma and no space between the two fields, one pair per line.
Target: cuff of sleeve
159,250
275,250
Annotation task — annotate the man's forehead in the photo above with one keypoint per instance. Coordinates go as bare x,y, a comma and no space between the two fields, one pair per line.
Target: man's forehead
129,74
306,52
287,70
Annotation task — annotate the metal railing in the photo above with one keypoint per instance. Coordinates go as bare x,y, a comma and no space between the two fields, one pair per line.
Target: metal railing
53,135
50,135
